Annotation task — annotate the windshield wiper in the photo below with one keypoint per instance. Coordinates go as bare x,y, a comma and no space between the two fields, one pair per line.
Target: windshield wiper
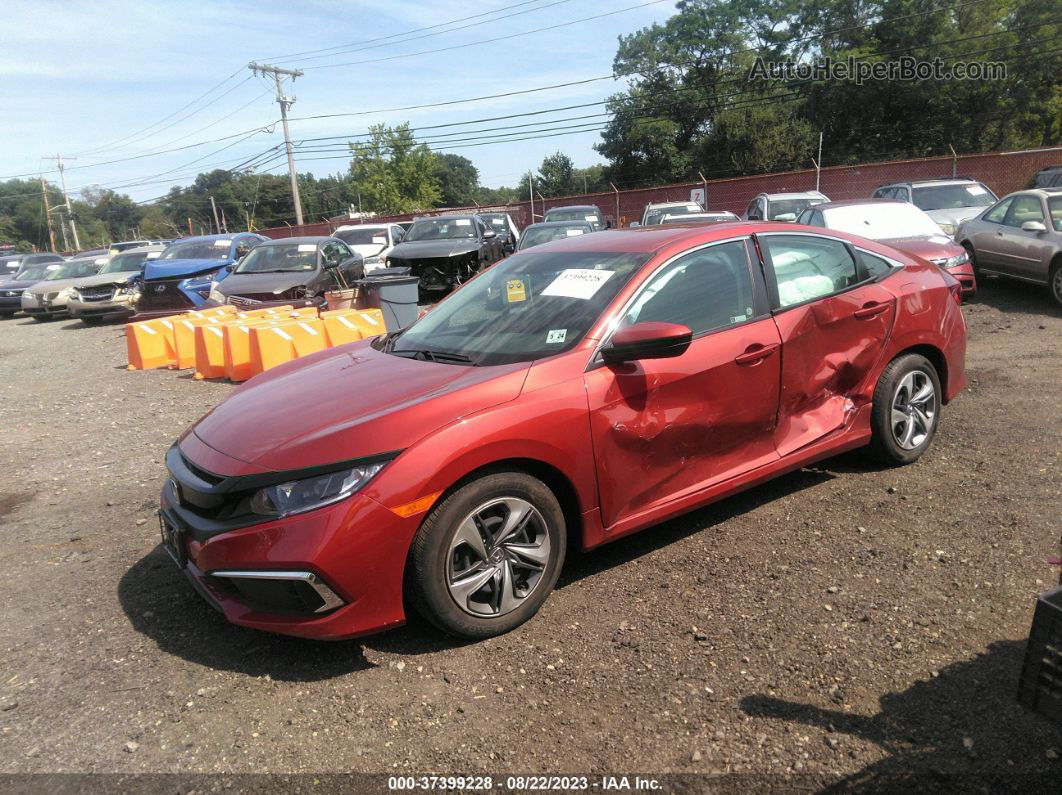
443,357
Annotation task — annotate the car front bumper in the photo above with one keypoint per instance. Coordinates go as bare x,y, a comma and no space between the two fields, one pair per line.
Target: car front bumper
964,274
10,304
276,576
35,306
118,307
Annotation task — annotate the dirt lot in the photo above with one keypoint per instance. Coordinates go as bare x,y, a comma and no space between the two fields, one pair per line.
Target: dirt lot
843,622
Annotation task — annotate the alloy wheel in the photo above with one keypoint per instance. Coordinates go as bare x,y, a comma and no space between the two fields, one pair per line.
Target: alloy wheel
497,557
1056,285
914,408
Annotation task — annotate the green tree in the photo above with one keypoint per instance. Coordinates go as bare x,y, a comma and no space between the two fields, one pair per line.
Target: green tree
458,180
392,173
556,175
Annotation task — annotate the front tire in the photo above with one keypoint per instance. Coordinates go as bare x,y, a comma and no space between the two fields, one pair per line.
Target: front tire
486,557
1054,282
906,410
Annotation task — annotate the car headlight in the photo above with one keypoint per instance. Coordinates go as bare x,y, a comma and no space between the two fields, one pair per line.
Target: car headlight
65,294
956,261
216,295
130,288
948,229
298,496
375,259
201,282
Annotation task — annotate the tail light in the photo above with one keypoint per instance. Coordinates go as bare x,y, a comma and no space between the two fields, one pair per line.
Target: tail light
953,285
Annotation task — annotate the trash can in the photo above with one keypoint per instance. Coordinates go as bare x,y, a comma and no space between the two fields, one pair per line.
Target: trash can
391,290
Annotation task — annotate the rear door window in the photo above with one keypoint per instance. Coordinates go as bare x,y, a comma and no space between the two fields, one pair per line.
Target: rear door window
807,268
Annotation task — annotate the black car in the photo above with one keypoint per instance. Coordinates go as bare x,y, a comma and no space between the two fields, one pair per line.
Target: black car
446,251
11,288
537,234
577,212
506,229
291,270
1050,177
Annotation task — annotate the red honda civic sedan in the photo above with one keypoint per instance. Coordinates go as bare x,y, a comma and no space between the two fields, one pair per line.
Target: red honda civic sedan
573,393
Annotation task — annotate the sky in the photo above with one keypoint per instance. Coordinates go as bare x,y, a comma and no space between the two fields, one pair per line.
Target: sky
124,80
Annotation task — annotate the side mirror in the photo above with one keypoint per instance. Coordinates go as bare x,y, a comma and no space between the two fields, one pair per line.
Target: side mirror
489,234
232,266
1033,226
647,341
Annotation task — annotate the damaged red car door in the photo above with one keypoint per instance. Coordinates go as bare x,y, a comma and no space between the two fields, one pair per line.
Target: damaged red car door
665,428
834,320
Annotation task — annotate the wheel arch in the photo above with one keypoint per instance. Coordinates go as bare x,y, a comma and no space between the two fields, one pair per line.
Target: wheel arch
935,356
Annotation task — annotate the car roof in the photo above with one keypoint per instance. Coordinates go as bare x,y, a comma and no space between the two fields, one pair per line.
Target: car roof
445,216
573,222
144,249
376,225
574,207
1035,192
305,240
937,181
806,194
658,205
856,203
196,239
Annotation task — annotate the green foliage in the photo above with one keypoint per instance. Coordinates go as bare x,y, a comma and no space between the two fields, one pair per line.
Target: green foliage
392,173
458,179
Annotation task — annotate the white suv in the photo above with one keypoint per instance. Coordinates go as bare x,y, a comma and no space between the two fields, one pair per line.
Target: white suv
949,202
781,206
654,213
373,241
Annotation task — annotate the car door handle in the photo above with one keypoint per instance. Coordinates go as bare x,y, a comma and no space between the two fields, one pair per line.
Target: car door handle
870,310
756,356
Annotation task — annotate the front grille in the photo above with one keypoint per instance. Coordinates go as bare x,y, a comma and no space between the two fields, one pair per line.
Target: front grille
51,296
102,293
245,302
163,294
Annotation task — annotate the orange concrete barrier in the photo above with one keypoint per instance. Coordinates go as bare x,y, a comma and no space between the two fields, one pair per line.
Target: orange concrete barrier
281,342
217,311
348,325
273,311
150,343
184,338
210,350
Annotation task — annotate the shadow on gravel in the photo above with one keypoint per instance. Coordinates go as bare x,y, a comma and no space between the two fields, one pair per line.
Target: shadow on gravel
1015,297
161,604
961,731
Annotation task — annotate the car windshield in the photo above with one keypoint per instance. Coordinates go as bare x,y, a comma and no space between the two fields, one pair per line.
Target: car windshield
656,216
1054,209
279,258
573,214
120,263
497,221
198,249
777,207
35,272
537,235
952,197
698,218
532,305
362,236
71,269
881,221
441,229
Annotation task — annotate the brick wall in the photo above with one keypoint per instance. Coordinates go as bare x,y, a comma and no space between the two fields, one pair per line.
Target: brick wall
1003,172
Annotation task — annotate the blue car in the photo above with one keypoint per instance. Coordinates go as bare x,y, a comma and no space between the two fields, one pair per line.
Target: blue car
181,277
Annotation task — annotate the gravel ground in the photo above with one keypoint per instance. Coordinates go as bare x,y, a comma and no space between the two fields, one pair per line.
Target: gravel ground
842,624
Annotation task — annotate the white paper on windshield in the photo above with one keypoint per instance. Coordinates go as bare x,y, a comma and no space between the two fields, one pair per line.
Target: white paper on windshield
379,241
153,254
462,222
573,232
307,247
975,190
556,335
590,217
577,283
222,243
940,239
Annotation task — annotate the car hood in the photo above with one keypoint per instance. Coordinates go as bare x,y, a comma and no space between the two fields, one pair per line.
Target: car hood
421,249
347,403
118,277
954,216
238,283
17,284
933,247
177,268
40,288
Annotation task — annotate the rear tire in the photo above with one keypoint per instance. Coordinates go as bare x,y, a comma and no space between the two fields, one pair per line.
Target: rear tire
906,410
1054,282
973,260
487,556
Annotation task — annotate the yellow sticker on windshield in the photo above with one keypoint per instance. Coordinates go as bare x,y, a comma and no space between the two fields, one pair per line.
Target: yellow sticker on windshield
515,292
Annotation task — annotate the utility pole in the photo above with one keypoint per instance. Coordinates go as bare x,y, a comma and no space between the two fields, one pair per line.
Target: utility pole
217,223
531,193
69,212
818,163
48,214
285,103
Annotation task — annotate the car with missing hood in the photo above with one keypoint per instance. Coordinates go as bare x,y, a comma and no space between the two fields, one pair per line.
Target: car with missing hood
949,202
445,251
372,241
290,270
547,231
575,393
900,225
181,278
113,292
11,289
47,299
